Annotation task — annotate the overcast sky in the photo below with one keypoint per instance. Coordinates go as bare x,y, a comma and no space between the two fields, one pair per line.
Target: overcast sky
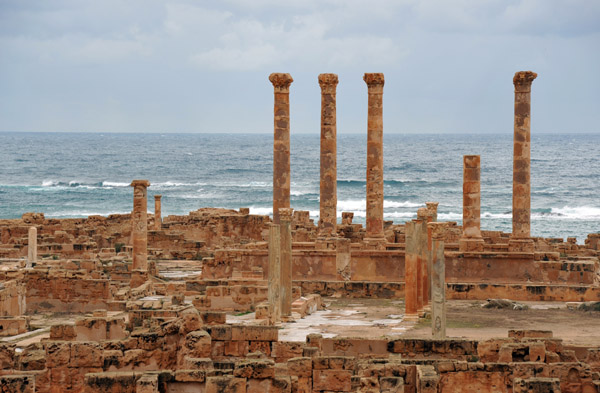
203,66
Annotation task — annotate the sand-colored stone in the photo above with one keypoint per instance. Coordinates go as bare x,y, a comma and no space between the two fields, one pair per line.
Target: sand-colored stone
157,212
281,142
471,239
328,183
285,221
32,247
274,273
438,280
374,227
521,209
139,232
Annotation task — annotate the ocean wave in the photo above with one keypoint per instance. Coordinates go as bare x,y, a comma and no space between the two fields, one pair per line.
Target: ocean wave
571,212
114,184
82,213
261,211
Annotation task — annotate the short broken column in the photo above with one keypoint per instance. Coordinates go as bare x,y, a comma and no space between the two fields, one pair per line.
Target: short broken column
438,280
285,222
281,142
328,184
375,234
139,232
411,261
157,213
342,258
32,248
471,240
274,274
520,240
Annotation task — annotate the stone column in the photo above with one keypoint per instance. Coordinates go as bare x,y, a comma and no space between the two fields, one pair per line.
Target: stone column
281,143
471,240
328,190
274,274
438,280
423,257
157,213
431,217
521,214
374,228
32,248
285,220
411,261
139,232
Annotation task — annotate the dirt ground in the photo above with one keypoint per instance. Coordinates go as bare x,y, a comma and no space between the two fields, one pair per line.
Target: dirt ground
468,319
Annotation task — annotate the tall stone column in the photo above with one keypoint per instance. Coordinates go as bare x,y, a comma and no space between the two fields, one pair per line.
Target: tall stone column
375,82
422,273
471,239
438,280
432,208
32,247
521,214
274,274
281,143
285,222
139,232
411,261
328,189
157,213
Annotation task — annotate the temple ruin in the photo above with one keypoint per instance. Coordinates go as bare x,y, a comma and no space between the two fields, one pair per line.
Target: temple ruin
221,300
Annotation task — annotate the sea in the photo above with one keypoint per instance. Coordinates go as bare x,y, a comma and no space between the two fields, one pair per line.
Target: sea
81,174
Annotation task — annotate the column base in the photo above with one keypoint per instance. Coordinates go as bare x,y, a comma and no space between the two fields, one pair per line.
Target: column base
377,243
471,244
138,277
521,245
411,317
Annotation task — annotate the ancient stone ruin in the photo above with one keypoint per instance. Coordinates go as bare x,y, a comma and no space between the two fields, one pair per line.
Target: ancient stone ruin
225,301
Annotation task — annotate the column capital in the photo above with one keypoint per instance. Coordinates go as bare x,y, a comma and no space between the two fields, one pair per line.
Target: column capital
523,79
432,206
285,214
328,83
422,213
472,161
157,197
140,183
438,230
281,82
374,80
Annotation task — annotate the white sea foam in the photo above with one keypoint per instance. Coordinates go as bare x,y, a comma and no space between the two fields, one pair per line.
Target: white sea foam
49,183
82,213
392,204
261,211
577,212
114,184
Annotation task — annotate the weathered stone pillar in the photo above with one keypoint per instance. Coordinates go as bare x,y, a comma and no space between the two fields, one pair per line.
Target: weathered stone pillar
157,213
139,232
343,258
32,248
374,228
422,274
328,190
411,262
521,214
285,220
281,143
438,280
274,274
471,239
431,217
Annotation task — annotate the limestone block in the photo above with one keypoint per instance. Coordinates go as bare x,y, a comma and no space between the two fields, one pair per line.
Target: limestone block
86,354
225,384
332,380
197,344
300,366
256,368
147,383
58,353
271,385
391,385
220,332
254,333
